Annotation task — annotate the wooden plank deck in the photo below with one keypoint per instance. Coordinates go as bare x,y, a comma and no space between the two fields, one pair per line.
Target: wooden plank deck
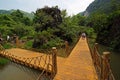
28,58
78,66
30,54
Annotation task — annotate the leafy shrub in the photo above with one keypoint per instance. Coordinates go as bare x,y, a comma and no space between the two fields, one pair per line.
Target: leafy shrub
28,44
54,43
7,45
3,61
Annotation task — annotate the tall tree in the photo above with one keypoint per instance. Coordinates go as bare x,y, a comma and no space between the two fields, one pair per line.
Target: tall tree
47,17
46,21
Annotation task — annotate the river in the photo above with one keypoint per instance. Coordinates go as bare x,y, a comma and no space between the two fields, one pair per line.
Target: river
13,71
114,61
115,64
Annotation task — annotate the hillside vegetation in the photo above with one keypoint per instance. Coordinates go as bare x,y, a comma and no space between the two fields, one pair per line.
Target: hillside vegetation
50,27
104,17
103,6
26,14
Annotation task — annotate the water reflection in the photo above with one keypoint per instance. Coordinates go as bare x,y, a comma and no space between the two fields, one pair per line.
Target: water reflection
13,71
114,61
115,64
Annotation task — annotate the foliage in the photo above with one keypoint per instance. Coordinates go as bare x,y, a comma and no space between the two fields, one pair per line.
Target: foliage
103,6
53,42
22,30
104,17
107,28
25,14
15,23
3,61
28,44
5,30
79,20
50,27
6,20
53,27
114,30
89,31
97,21
47,17
19,18
7,45
46,23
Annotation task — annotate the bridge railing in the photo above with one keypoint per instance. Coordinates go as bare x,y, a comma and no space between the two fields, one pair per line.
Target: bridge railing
53,66
102,64
47,63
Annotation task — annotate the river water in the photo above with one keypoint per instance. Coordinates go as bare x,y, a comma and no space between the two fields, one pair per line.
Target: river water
13,71
114,61
115,64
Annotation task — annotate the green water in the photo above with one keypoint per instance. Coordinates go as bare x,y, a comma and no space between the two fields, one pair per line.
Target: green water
115,64
13,71
114,61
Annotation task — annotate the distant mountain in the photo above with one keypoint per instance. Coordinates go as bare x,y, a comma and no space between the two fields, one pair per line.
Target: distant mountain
105,19
102,6
29,15
26,14
5,11
81,13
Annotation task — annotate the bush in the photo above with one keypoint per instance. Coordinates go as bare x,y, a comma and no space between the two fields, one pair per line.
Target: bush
28,44
7,45
88,30
54,43
3,61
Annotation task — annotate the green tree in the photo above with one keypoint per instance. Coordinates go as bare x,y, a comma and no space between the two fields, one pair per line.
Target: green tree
46,21
19,17
78,20
47,17
6,20
97,21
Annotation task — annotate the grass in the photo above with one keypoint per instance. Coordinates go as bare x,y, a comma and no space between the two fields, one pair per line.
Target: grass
101,48
28,44
7,45
91,42
63,53
3,61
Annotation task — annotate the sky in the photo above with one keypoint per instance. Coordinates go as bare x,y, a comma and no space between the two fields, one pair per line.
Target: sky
72,6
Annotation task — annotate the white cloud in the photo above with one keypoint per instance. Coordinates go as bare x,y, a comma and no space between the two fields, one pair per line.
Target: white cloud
72,6
76,6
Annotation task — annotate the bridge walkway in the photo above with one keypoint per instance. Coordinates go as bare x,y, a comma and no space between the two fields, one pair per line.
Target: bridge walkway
29,58
79,65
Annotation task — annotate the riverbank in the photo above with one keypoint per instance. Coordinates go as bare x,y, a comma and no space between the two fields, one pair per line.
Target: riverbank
3,61
13,71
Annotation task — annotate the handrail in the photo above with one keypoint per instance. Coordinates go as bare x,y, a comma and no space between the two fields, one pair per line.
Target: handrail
53,66
49,62
102,64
